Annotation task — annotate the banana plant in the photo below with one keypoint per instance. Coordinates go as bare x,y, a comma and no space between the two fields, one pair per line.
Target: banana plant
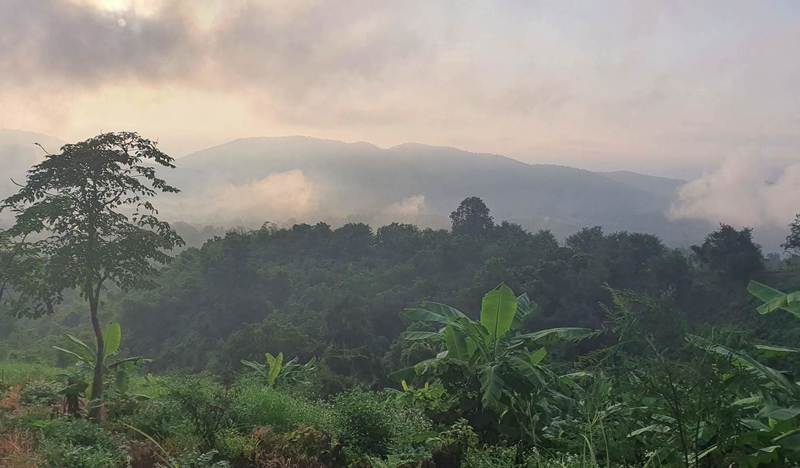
492,348
773,423
275,370
86,358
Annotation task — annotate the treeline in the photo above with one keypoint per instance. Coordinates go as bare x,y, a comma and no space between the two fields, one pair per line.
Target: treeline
337,294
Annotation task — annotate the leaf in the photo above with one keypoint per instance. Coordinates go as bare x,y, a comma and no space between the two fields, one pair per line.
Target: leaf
763,292
527,370
458,345
773,299
419,314
87,352
525,309
754,424
258,367
745,361
275,364
660,428
779,413
537,356
498,308
773,350
420,335
112,337
72,353
562,333
491,387
433,312
404,374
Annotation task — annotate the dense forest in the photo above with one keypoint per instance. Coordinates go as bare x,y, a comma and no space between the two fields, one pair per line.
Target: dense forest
317,346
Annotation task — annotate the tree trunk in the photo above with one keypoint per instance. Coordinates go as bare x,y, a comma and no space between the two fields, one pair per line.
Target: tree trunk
96,394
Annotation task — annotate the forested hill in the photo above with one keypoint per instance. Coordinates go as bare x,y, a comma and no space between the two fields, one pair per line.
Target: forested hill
300,179
338,293
420,183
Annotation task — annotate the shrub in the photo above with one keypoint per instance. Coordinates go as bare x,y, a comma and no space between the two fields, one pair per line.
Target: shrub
362,423
490,457
256,405
370,423
78,443
305,446
41,392
206,404
451,446
236,447
159,419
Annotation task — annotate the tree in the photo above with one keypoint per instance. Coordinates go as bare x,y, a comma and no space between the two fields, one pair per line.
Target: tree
85,220
792,244
471,218
730,253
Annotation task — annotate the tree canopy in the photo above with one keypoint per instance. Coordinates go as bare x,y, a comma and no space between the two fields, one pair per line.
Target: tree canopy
84,219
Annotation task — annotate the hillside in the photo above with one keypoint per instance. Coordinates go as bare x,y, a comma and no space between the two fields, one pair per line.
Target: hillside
292,179
421,183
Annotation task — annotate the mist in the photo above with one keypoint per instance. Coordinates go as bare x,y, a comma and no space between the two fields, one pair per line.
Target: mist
744,192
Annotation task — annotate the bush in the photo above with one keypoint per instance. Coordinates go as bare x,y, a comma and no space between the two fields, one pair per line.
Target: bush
239,448
205,403
490,457
451,446
78,443
256,405
305,446
369,423
41,392
160,419
362,423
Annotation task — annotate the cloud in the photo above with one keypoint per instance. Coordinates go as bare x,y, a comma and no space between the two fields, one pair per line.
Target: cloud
287,48
278,197
568,82
742,192
59,41
407,208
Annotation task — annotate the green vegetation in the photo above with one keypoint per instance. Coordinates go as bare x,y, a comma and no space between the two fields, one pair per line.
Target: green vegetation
483,346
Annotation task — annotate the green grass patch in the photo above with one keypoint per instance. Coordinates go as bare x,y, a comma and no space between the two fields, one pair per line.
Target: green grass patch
16,373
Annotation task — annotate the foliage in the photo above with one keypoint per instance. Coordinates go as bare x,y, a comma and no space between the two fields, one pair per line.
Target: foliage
471,217
304,446
492,353
206,404
374,424
83,219
41,392
116,370
80,444
792,244
291,373
730,253
678,371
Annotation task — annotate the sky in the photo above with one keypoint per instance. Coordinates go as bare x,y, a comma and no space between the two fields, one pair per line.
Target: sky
678,88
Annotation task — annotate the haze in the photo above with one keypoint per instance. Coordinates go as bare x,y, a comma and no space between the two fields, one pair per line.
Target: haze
683,89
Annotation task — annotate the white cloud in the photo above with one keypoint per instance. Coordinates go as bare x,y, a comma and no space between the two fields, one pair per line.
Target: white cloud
407,208
277,197
742,192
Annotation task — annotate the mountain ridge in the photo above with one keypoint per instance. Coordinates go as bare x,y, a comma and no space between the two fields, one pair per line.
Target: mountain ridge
300,178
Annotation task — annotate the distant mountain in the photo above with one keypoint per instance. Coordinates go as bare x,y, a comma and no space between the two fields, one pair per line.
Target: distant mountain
266,178
295,179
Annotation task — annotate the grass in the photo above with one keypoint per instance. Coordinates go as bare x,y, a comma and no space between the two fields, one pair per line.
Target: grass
16,373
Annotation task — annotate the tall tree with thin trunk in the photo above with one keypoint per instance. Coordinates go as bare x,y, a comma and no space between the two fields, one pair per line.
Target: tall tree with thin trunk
84,220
